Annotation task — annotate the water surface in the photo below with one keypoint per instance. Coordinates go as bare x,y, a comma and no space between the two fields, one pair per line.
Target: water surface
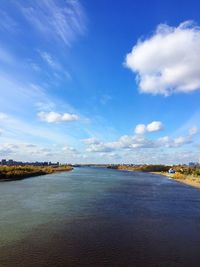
99,217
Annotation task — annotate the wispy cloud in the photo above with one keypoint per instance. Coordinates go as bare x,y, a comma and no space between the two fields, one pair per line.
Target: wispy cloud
59,71
7,23
50,60
20,93
63,22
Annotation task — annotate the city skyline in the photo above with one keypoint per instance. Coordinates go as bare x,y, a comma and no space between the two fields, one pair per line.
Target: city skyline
82,82
11,162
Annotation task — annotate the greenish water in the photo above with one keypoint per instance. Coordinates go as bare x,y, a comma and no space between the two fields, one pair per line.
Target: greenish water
31,202
99,217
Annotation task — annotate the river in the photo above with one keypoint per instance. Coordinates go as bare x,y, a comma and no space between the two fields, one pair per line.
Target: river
95,217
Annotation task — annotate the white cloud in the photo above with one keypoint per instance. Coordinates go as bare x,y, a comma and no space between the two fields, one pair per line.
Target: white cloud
151,127
179,141
124,142
140,129
168,61
154,126
52,117
55,20
182,140
165,141
138,142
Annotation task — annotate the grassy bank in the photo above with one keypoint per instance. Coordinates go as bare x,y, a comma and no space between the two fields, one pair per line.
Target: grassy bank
21,172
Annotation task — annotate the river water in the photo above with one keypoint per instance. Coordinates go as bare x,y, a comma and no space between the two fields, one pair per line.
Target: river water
95,217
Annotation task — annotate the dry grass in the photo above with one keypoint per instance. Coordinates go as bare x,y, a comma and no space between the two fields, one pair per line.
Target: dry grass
20,172
179,176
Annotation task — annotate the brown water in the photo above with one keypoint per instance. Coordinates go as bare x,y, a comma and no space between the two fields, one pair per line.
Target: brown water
99,217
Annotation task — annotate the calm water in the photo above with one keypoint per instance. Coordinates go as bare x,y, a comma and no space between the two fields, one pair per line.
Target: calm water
97,217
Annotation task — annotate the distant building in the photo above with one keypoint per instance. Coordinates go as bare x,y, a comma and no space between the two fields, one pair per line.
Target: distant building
11,162
171,170
3,162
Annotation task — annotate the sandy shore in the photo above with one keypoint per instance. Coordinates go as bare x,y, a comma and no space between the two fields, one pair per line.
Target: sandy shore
188,179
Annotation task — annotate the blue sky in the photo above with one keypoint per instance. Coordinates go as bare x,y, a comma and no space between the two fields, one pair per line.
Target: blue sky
100,81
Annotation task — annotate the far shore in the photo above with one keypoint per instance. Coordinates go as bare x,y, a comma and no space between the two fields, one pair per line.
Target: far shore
186,179
183,174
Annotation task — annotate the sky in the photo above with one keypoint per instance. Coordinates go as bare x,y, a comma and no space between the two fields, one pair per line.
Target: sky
100,81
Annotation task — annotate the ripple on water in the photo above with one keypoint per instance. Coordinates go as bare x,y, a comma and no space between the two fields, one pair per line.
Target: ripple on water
98,217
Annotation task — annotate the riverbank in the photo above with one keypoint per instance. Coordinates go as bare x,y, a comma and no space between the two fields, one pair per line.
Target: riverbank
182,178
141,168
10,173
183,174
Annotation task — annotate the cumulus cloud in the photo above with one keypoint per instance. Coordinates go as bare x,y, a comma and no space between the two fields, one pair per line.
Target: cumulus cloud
154,126
137,141
179,141
52,117
124,142
140,129
168,61
182,140
151,127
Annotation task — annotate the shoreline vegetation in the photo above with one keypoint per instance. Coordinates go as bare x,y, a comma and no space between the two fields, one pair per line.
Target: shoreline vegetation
183,174
10,173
